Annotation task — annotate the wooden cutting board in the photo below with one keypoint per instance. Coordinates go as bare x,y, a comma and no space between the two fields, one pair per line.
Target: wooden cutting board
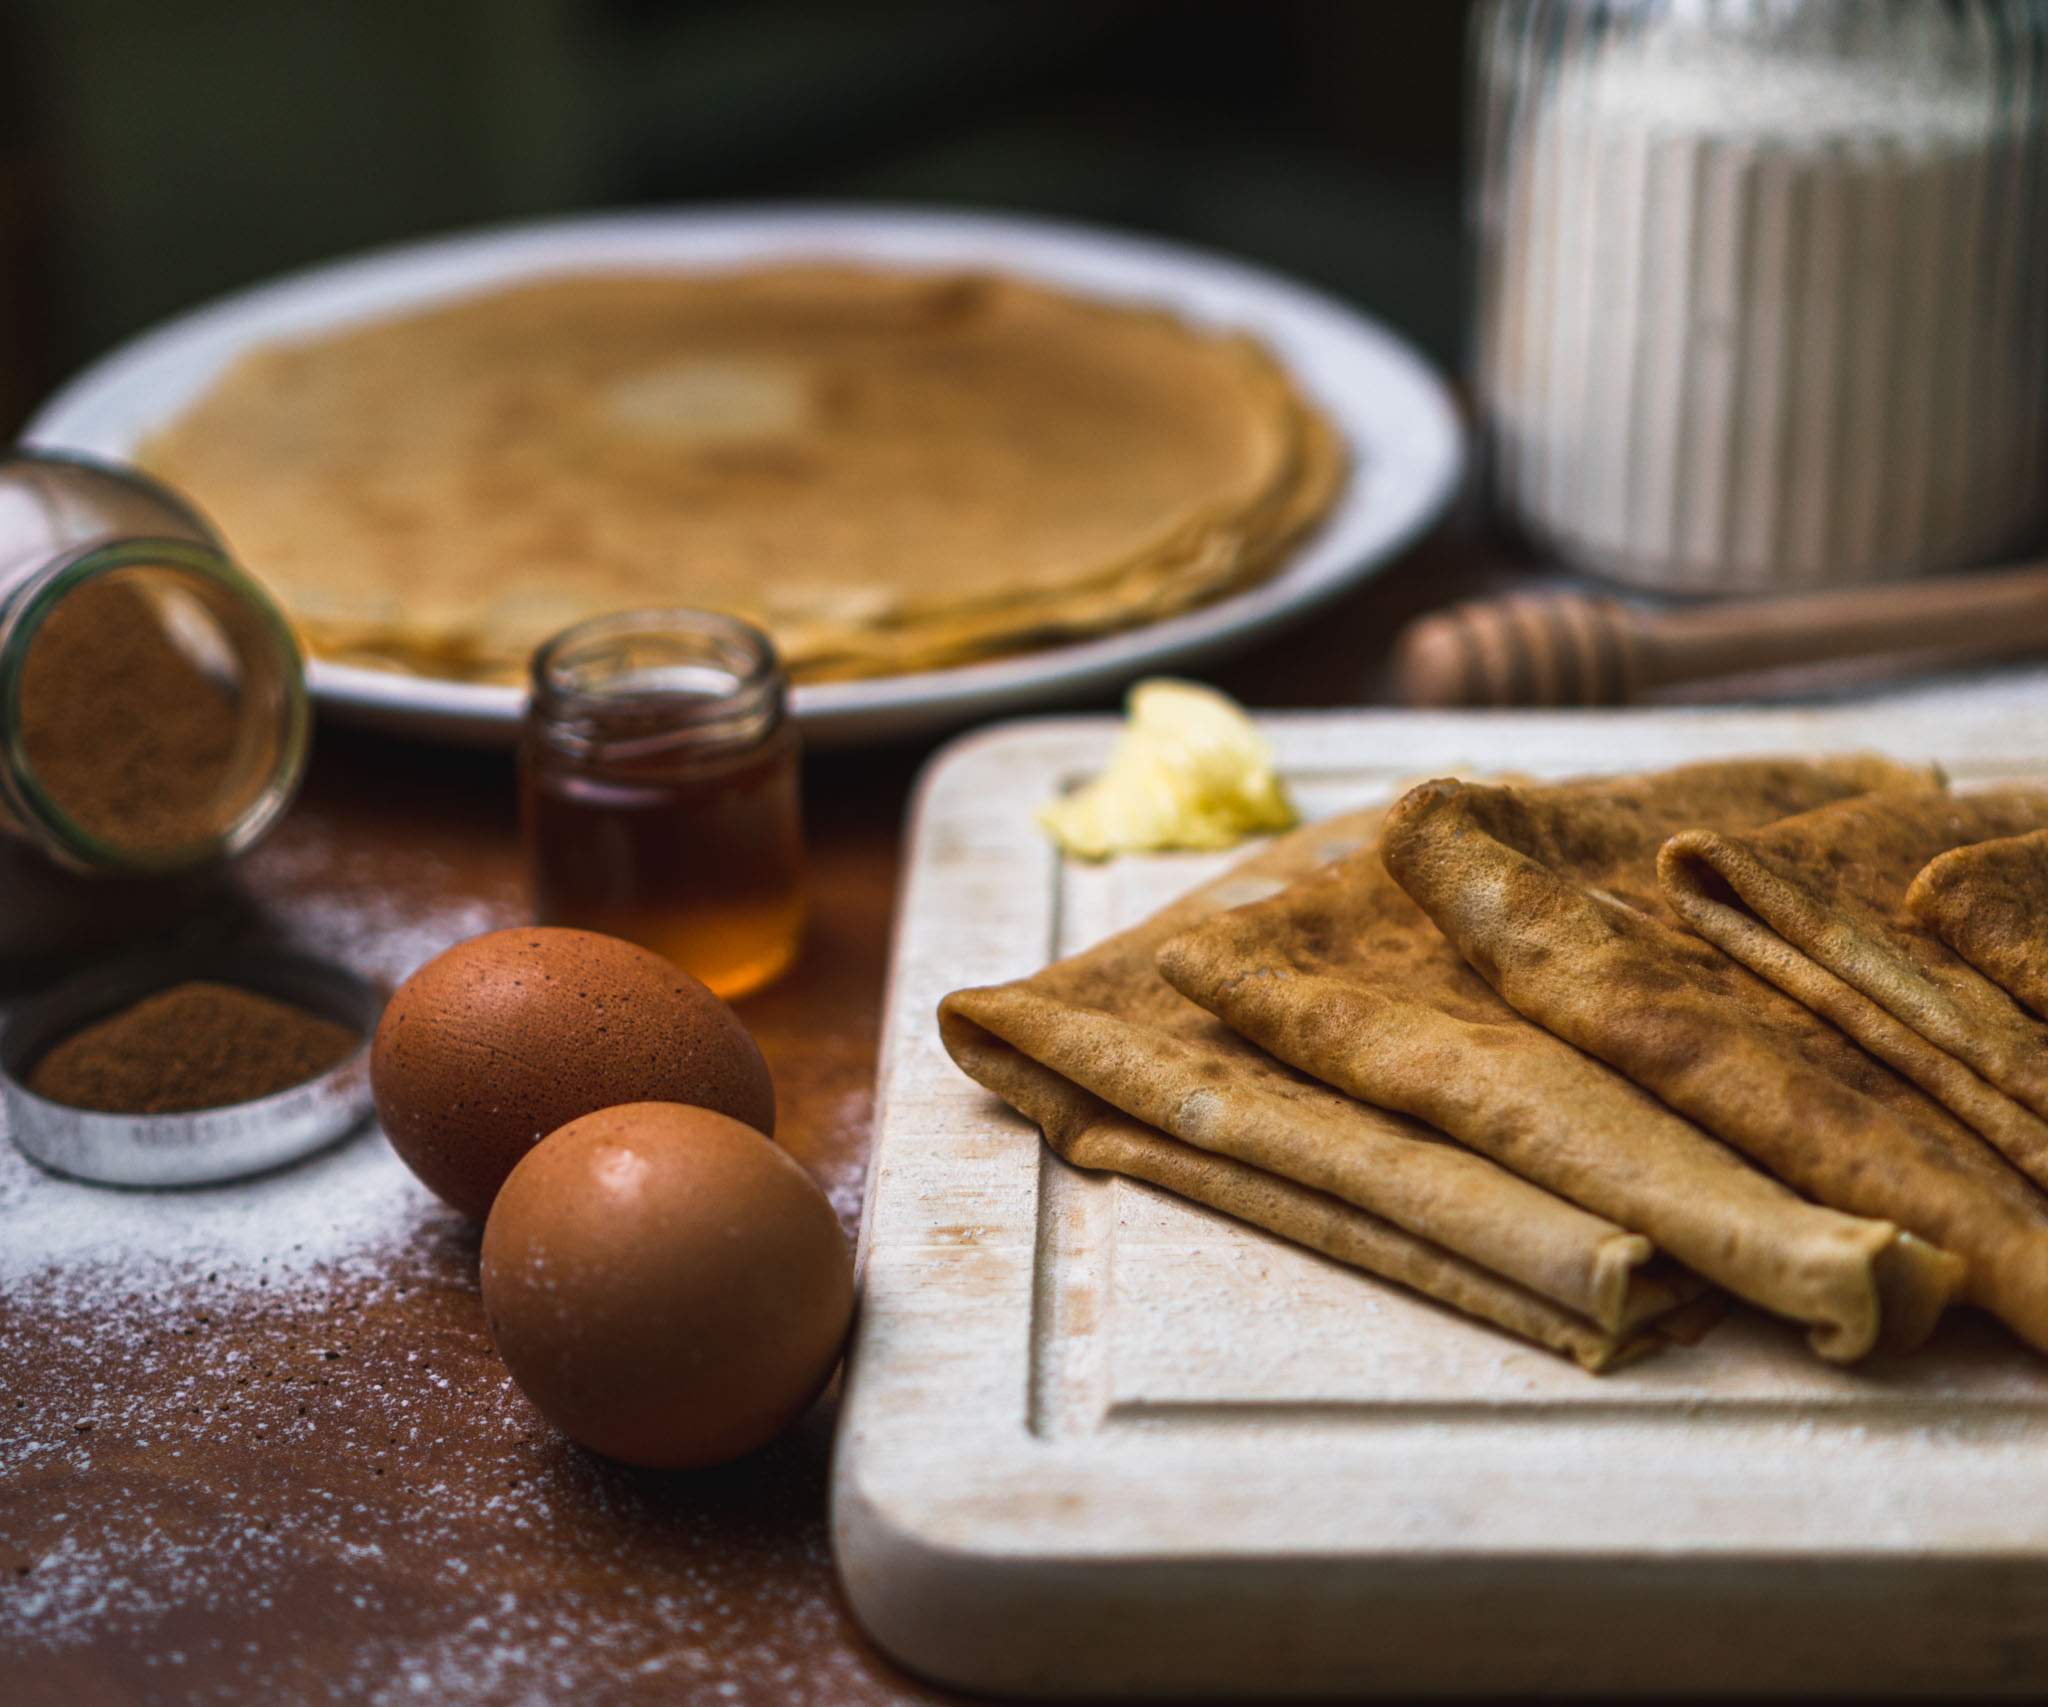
1098,1440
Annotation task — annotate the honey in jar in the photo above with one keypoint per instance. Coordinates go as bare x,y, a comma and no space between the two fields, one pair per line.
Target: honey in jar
659,792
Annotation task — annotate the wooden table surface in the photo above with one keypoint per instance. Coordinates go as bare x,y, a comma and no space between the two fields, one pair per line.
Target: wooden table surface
333,1490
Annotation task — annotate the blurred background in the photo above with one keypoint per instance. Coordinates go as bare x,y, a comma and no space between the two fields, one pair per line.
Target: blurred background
154,155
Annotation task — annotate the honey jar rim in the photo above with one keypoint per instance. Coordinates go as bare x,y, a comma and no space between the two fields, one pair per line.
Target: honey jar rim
729,692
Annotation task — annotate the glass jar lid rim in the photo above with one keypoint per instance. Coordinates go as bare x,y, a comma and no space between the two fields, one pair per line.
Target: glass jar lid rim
64,575
739,656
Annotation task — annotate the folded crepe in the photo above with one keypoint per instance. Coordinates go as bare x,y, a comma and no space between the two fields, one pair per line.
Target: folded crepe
1552,900
1817,905
1990,904
1344,977
1122,1073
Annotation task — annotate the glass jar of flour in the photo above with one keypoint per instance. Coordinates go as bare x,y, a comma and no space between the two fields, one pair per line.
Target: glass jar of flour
1762,285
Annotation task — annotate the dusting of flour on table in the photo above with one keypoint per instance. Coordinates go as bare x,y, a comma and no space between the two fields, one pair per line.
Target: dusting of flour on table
308,1343
255,1442
351,1208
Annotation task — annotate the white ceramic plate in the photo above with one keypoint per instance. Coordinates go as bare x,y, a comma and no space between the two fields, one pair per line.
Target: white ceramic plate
1405,436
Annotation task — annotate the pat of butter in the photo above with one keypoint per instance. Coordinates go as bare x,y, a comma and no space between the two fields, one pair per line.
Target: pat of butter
708,401
1188,771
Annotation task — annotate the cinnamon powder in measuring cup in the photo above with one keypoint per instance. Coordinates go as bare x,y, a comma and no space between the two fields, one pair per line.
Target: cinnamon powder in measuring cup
195,1045
131,737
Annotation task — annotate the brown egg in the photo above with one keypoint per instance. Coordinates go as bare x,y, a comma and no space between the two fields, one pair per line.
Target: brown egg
489,1047
667,1286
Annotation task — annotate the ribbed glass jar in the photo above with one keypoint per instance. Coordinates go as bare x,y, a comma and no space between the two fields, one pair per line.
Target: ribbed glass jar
1762,285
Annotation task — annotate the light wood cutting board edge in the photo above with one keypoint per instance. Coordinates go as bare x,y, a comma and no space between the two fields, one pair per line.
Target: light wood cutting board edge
1461,1549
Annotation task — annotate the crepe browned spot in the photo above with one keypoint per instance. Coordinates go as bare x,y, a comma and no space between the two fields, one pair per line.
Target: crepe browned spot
1121,1072
1990,904
1817,905
888,471
1344,977
1563,916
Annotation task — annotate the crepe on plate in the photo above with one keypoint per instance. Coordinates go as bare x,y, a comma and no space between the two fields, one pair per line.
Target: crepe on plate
1555,906
1817,905
1124,1074
1989,903
1342,975
888,471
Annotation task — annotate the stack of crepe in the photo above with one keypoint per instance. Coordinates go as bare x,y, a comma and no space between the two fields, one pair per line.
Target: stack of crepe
1583,1059
887,471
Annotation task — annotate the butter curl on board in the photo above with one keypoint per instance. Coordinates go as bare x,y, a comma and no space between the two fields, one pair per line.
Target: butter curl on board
1189,770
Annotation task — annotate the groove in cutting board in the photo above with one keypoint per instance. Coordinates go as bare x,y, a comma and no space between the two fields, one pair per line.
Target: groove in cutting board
1120,1443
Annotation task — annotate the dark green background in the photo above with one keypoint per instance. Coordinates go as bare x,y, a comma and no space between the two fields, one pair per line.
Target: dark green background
156,152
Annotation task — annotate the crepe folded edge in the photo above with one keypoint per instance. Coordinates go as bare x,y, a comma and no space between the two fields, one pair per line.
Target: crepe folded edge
1945,1185
1853,1282
1986,902
1381,1162
1755,908
1087,1132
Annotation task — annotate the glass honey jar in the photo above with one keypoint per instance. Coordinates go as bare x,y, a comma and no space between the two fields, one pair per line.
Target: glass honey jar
659,792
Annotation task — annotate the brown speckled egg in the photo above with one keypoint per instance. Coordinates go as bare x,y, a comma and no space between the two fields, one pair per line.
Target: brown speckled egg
489,1047
666,1285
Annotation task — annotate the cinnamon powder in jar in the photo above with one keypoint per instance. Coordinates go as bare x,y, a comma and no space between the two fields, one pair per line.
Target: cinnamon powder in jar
132,739
195,1045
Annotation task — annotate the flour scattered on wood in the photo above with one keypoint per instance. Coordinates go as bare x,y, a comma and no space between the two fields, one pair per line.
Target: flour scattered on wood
254,1440
351,1208
229,1417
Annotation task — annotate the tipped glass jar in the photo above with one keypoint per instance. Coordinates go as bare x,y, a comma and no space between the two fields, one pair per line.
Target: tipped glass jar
659,792
153,715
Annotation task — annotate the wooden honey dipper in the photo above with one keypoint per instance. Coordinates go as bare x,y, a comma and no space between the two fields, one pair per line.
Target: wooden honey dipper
1582,649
